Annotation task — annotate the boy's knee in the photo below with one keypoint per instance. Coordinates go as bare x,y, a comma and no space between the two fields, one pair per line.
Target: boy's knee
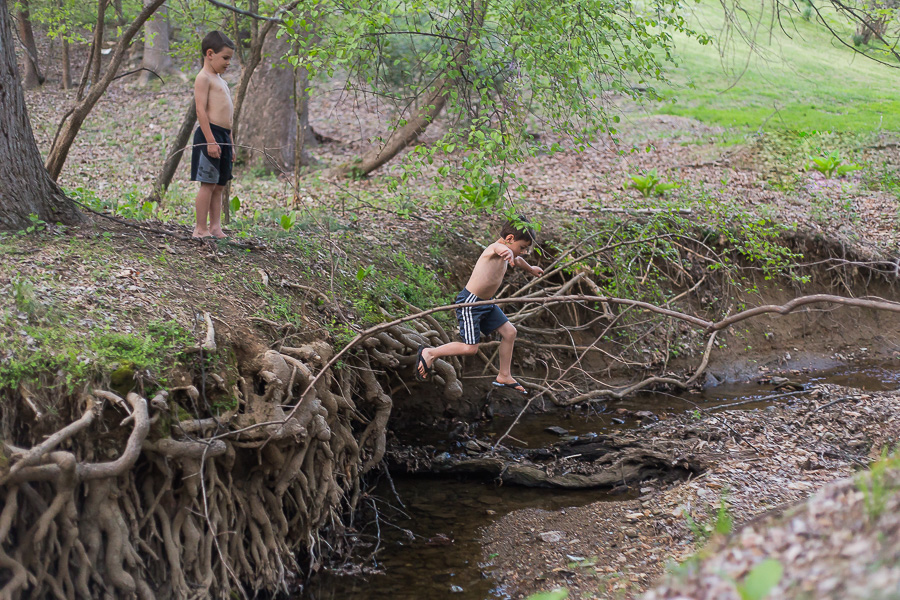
471,349
509,331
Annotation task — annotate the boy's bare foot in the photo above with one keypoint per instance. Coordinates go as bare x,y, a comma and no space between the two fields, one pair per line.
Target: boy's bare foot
218,233
200,233
509,382
423,363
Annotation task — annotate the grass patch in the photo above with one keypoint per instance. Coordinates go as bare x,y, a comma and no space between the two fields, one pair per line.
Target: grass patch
55,349
798,76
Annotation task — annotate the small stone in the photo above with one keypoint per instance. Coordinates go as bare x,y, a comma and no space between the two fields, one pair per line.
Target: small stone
551,537
556,430
456,589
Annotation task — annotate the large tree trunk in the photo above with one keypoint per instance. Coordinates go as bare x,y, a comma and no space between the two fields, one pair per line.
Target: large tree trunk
270,125
176,152
25,187
248,65
428,110
156,45
33,76
72,122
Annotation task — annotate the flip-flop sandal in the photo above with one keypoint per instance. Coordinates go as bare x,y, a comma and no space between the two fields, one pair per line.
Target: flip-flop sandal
512,386
421,361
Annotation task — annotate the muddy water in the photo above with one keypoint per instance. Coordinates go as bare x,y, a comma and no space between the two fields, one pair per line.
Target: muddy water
429,547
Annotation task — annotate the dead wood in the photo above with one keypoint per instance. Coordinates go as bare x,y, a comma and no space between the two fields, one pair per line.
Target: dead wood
589,462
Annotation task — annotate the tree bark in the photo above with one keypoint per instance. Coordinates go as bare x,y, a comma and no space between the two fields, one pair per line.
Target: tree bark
869,27
156,45
399,139
423,116
33,75
176,152
305,137
270,125
72,122
66,81
25,187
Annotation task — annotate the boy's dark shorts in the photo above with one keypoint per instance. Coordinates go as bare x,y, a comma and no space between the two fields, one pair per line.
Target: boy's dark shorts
475,320
207,169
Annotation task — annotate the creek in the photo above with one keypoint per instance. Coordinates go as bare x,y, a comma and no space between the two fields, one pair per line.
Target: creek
429,548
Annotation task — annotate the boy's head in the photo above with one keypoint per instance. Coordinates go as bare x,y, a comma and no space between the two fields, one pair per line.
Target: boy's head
517,235
217,50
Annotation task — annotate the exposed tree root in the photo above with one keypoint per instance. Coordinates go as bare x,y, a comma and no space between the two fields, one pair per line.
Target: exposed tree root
148,504
600,461
174,498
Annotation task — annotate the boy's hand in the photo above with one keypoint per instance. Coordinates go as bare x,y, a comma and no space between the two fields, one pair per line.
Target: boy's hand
213,150
505,253
537,271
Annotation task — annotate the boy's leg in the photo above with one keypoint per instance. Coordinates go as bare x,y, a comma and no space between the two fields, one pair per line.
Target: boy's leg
507,332
202,208
215,212
452,349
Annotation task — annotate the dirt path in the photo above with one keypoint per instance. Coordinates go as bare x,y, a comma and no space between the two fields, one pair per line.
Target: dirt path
764,463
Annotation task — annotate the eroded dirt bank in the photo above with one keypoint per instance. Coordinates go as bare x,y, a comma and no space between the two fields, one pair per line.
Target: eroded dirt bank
166,373
759,464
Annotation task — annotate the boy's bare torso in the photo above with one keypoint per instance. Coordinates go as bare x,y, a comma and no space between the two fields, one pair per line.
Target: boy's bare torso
219,107
487,274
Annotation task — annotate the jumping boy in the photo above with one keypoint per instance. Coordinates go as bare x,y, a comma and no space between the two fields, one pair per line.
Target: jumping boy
213,152
474,320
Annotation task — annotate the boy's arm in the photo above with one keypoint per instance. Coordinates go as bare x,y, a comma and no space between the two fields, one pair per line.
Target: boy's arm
201,97
523,264
503,252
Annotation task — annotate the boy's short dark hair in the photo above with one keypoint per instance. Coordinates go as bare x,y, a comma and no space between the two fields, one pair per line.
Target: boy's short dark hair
519,229
215,41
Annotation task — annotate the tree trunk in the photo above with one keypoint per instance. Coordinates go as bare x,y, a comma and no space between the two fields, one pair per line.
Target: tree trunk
305,137
400,138
25,187
156,45
869,27
423,116
270,125
97,57
72,122
120,14
33,76
66,81
176,152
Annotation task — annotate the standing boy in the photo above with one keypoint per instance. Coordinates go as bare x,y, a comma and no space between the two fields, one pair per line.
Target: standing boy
213,152
475,320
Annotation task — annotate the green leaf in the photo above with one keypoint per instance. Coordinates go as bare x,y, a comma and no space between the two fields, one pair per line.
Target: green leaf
235,204
760,581
288,221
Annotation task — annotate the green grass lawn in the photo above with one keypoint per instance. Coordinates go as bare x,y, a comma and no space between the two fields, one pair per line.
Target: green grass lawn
797,77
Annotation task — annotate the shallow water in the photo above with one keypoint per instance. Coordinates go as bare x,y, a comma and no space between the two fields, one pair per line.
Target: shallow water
413,569
420,569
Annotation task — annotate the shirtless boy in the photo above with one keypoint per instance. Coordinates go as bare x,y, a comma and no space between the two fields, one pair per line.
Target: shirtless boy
475,320
213,152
